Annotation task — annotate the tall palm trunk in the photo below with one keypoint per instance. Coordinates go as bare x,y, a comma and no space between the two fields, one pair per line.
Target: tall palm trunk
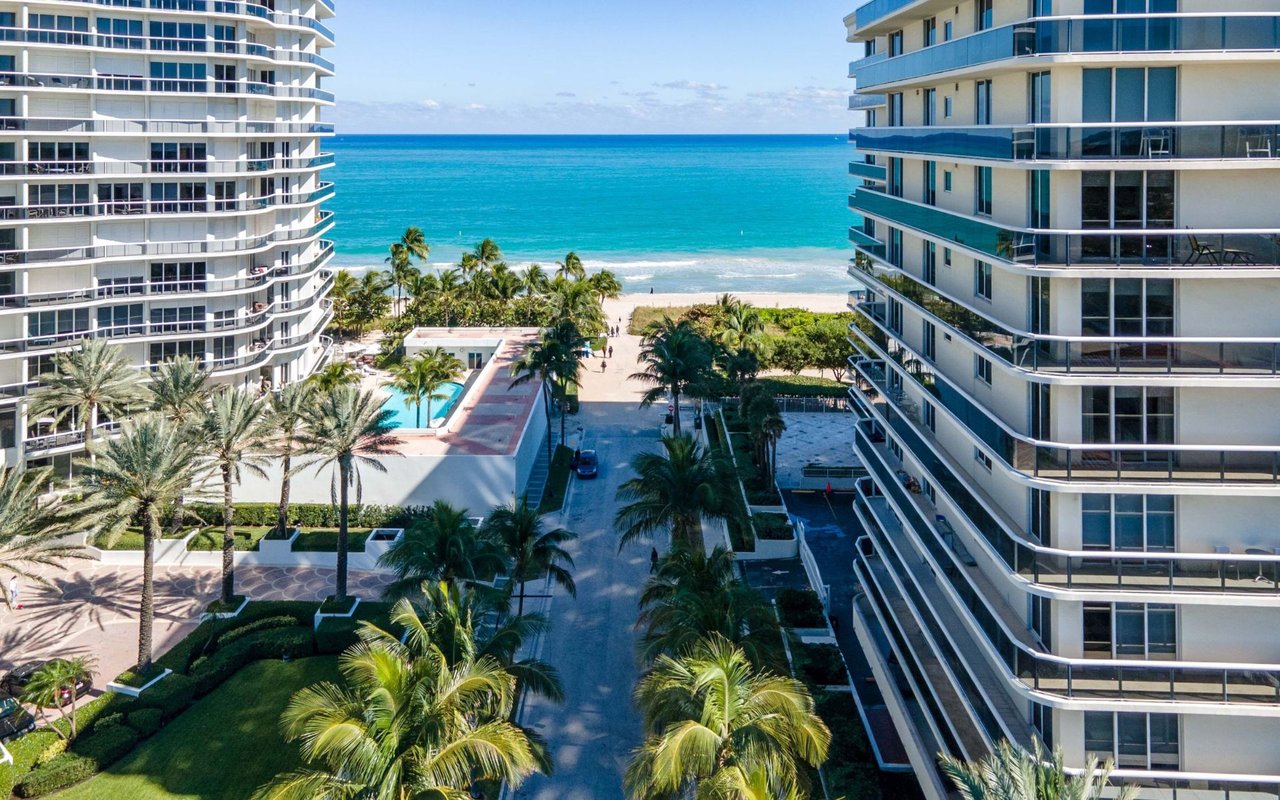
147,609
564,407
340,580
90,425
282,514
428,409
228,539
546,407
675,412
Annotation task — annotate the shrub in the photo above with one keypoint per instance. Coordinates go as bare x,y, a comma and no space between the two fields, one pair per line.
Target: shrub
253,626
87,755
850,770
211,672
31,750
800,608
88,715
146,721
821,665
773,526
336,635
170,696
308,515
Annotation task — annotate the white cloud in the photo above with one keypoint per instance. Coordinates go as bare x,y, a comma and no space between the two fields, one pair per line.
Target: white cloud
694,86
565,94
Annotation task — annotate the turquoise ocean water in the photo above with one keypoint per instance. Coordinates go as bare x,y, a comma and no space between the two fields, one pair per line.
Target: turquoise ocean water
672,213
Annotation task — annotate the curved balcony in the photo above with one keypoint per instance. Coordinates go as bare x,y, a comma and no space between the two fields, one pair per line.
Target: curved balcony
997,631
256,167
1048,355
1078,36
1052,570
143,84
1078,249
164,44
1039,462
219,8
166,127
259,278
872,172
861,102
238,246
166,208
1257,143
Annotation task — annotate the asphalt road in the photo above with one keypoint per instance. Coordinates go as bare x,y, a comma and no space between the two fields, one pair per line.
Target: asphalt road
592,640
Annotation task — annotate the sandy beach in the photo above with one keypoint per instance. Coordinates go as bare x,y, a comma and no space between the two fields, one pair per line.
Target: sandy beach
627,303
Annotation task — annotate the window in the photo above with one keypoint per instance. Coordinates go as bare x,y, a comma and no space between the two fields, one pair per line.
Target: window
982,458
984,17
224,319
61,200
893,176
179,276
928,340
1042,717
1130,630
179,157
947,29
48,156
168,76
982,103
120,198
930,106
1144,523
1130,94
41,365
121,320
930,416
982,369
179,36
930,190
895,247
1145,741
184,319
1126,307
929,264
1039,98
946,107
1126,199
224,349
894,103
1038,190
122,287
224,193
224,38
930,31
1128,415
125,34
475,360
170,351
54,325
946,256
58,29
895,44
224,77
946,180
982,191
177,198
982,279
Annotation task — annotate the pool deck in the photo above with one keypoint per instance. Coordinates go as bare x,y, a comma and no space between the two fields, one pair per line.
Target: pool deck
492,416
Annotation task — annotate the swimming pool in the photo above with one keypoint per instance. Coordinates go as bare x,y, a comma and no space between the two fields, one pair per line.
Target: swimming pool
406,415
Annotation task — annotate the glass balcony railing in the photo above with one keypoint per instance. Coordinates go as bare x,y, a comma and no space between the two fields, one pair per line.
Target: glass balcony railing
1146,356
81,125
1172,247
1145,33
1096,462
874,10
859,102
1055,568
861,169
1063,678
1136,142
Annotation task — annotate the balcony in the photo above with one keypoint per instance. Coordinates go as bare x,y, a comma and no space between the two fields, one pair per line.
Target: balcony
860,102
254,166
1104,248
1253,142
140,207
139,83
1055,569
872,172
145,126
988,632
1144,357
62,255
1101,34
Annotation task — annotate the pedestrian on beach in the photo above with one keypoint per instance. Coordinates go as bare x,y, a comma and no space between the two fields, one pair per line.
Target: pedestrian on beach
653,561
13,593
610,351
603,365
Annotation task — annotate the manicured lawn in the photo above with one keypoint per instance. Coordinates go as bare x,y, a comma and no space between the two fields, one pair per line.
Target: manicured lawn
131,539
557,481
211,539
326,541
223,748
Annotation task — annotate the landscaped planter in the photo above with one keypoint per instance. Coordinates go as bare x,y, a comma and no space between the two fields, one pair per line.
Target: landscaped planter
321,616
136,691
278,549
226,614
379,542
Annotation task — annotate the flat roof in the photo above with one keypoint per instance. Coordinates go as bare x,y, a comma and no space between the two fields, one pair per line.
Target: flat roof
493,416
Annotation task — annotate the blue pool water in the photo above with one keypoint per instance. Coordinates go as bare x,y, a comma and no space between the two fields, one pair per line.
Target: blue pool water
406,415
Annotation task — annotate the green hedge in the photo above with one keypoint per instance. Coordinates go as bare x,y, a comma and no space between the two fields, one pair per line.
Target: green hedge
33,749
774,527
803,386
850,769
86,756
253,626
210,539
202,641
800,608
146,721
326,541
307,515
212,671
335,635
170,696
820,665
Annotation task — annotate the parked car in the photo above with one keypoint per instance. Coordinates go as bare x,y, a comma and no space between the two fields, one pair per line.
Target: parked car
15,683
588,464
15,720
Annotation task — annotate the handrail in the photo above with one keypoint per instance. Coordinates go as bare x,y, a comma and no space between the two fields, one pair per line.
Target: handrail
145,83
177,126
161,44
51,168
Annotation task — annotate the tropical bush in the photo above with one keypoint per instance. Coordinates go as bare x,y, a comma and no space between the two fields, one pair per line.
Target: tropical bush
146,721
88,754
307,515
800,608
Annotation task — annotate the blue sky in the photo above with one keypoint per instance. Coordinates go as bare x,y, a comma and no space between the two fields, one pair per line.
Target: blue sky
591,66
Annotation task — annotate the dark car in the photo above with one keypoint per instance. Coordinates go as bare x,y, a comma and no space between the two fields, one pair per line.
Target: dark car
15,720
15,683
588,464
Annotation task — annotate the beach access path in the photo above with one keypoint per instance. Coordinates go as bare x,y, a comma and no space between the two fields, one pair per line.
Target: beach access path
592,641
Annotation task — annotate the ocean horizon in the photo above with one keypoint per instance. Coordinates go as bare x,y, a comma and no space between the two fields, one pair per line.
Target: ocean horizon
671,213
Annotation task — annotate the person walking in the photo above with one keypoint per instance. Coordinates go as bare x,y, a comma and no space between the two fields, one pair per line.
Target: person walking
610,351
603,365
653,560
14,602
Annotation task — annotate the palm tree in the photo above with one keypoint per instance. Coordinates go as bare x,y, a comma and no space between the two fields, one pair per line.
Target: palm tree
673,491
344,429
758,408
94,378
575,301
421,378
338,373
411,247
534,280
55,685
1011,773
693,595
503,284
483,257
742,328
409,723
232,433
713,721
444,544
449,288
556,361
532,552
605,284
179,389
288,415
139,474
571,268
675,358
33,528
343,294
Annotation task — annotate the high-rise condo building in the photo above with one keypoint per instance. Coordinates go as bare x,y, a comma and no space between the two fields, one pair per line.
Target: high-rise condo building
1068,366
161,187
